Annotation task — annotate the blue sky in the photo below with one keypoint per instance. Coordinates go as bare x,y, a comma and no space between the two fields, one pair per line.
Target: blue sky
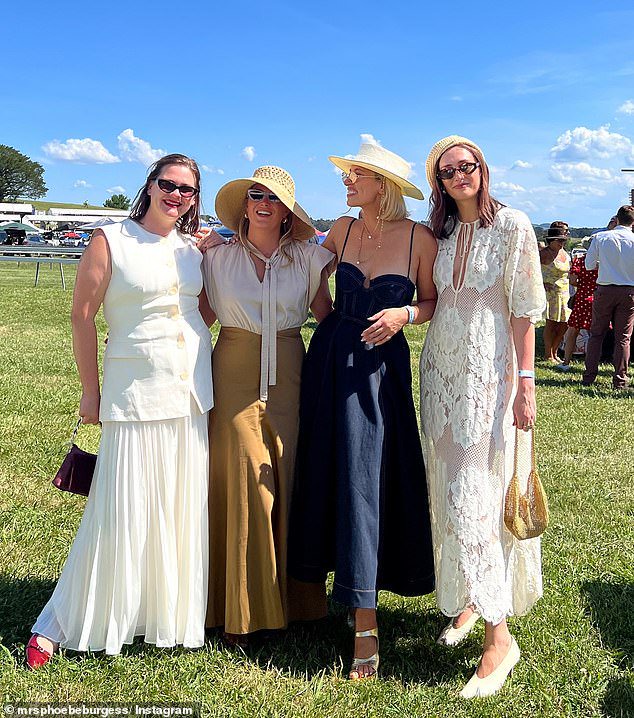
96,91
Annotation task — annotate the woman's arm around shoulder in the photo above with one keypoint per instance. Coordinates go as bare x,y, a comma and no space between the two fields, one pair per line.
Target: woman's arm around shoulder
93,276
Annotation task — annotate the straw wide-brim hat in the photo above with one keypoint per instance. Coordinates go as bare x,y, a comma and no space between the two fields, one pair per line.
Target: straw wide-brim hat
383,162
231,197
439,149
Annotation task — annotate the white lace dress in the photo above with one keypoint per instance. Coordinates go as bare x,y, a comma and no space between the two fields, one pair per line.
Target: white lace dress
468,382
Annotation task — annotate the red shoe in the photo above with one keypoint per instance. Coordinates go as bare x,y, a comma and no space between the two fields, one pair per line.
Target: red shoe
36,656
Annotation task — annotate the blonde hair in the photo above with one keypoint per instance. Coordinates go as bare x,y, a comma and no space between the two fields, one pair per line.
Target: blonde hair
393,206
286,232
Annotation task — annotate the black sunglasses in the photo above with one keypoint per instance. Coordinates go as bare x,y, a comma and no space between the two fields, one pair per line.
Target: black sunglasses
465,168
257,195
168,187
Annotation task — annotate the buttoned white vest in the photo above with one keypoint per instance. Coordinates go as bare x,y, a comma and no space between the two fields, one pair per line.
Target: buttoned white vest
158,354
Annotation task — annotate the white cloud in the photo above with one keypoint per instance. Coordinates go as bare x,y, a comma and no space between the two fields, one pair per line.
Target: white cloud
627,108
507,188
528,206
497,171
73,150
569,172
583,143
521,165
456,98
134,149
117,189
212,170
549,191
249,153
585,191
81,183
368,139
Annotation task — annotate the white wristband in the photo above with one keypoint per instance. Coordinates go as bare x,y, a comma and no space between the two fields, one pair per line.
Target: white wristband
526,374
410,314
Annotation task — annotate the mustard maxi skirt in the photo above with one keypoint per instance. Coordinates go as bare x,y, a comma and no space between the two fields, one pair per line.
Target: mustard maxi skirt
252,454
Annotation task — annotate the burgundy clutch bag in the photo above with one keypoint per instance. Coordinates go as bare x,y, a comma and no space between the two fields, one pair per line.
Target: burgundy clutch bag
75,473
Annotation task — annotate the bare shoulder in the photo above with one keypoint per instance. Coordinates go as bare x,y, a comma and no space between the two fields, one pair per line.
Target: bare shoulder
424,239
98,248
337,233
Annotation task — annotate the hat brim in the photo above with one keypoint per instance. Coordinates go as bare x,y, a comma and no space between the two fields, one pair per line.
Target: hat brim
407,188
229,205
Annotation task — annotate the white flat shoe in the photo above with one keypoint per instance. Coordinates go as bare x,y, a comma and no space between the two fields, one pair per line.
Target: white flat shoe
483,687
452,636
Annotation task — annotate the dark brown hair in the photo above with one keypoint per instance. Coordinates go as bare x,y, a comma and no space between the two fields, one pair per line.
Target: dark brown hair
625,215
443,211
189,223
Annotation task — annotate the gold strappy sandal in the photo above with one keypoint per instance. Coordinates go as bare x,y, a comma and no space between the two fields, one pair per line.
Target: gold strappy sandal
372,661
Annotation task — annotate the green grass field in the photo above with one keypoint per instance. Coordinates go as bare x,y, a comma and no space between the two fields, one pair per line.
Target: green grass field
577,644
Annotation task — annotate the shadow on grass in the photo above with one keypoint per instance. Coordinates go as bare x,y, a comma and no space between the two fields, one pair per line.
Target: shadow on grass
21,601
408,649
610,607
618,701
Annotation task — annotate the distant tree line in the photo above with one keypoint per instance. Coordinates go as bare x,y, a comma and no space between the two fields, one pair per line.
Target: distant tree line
323,225
575,232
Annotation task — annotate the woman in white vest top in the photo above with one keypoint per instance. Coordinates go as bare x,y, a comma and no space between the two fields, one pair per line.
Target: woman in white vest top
138,565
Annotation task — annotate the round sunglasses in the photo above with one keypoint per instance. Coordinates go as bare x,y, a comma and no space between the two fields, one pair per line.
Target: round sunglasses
354,176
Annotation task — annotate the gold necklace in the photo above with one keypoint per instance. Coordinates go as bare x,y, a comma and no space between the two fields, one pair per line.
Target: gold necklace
379,224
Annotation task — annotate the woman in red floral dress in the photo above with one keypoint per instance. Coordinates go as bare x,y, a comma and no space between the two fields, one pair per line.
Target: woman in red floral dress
581,317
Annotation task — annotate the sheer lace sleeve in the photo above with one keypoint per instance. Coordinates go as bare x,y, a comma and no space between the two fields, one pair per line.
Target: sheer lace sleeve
522,274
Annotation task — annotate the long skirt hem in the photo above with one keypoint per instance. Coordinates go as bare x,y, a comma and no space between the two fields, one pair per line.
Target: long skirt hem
138,564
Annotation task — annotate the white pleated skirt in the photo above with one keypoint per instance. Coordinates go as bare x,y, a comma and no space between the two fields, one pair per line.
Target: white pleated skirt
139,562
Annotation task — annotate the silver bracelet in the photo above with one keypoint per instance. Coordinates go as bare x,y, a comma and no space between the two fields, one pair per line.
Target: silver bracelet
526,374
411,314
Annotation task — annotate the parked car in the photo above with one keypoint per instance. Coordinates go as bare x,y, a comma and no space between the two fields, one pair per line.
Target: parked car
225,232
34,240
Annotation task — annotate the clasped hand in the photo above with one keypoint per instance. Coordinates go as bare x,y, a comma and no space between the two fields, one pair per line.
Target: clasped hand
208,238
386,324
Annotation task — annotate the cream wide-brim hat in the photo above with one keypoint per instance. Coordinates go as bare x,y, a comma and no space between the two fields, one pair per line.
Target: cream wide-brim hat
383,162
439,149
231,197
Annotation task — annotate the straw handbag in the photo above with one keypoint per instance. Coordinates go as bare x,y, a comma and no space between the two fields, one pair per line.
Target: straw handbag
526,515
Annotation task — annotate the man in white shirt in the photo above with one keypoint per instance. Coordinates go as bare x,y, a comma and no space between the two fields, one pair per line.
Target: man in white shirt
613,252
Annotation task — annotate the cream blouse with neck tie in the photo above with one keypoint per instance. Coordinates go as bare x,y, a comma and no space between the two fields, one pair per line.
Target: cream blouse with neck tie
280,301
